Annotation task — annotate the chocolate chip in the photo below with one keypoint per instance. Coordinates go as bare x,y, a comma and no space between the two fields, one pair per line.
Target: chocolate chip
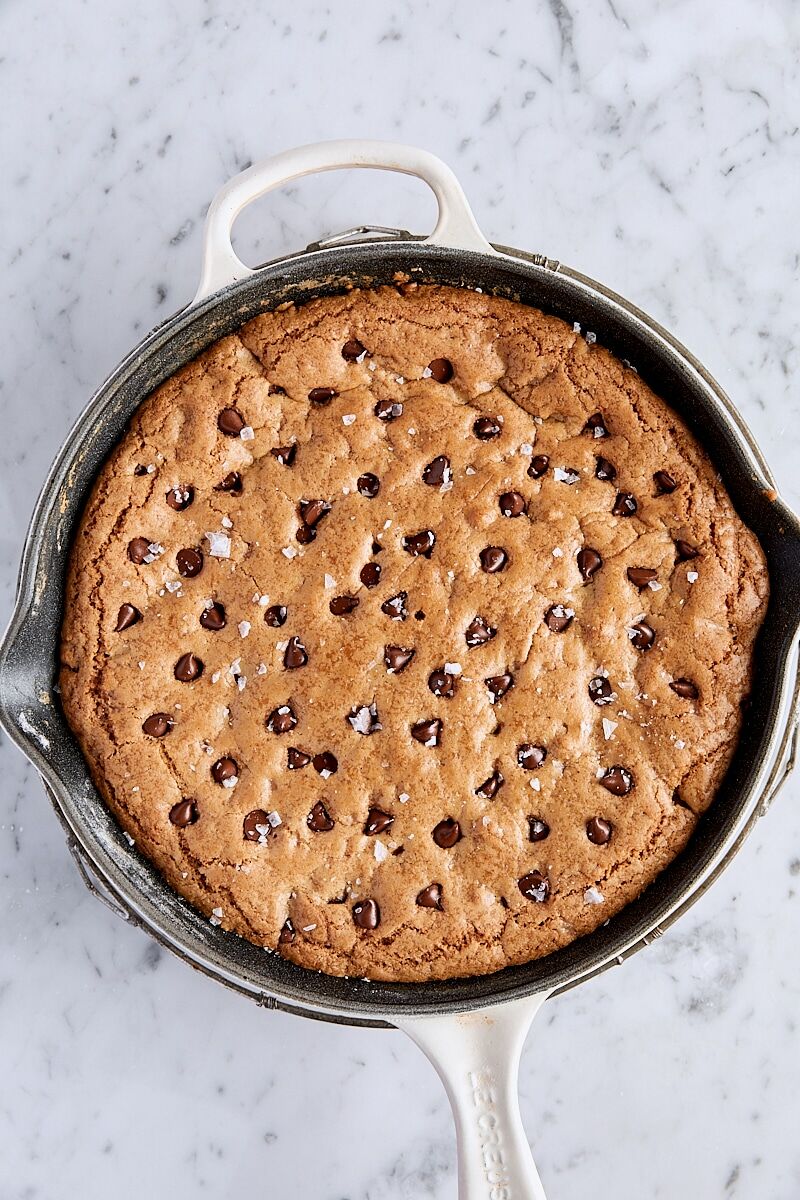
287,933
184,813
296,759
388,410
431,897
437,471
188,668
377,548
664,483
305,534
180,496
140,469
512,504
498,685
531,757
370,575
442,684
275,389
598,831
419,615
493,559
285,454
397,658
312,511
491,786
601,691
352,350
295,654
604,469
378,821
282,719
558,618
340,606
478,632
589,563
213,617
366,914
428,732
189,562
685,551
486,428
325,763
596,426
642,635
224,768
538,829
395,607
617,780
231,483
534,886
441,370
640,577
256,826
625,505
158,725
230,422
447,833
368,485
685,689
420,544
128,615
319,820
322,395
275,615
539,465
138,550
363,718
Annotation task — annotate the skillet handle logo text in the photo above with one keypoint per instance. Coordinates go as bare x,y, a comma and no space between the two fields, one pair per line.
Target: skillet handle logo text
492,1154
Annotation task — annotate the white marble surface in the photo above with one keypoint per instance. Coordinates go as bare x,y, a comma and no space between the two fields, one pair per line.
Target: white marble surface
655,146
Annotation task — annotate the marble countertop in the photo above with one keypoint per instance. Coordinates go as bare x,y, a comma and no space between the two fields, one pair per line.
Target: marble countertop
653,145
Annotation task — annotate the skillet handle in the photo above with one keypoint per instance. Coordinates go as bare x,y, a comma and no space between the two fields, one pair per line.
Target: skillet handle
455,227
477,1057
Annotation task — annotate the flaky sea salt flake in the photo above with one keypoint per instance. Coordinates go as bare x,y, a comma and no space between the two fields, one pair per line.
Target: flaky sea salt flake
219,545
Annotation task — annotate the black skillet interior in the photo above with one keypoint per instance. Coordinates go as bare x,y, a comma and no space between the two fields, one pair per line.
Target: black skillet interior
29,655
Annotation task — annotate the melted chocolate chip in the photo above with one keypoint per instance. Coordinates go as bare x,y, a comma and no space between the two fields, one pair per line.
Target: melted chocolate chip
295,654
231,483
642,635
395,607
282,719
478,632
419,615
428,732
388,410
275,389
605,470
685,689
305,534
180,496
491,786
531,757
368,485
138,550
539,465
325,763
378,821
366,914
538,829
493,559
184,813
275,615
617,780
213,618
534,886
498,685
352,350
377,548
441,370
312,511
370,576
188,668
158,725
189,562
625,505
420,544
601,690
230,422
512,504
596,426
128,615
442,684
437,471
296,759
431,897
287,934
256,826
340,606
224,768
285,454
664,483
447,833
486,428
397,658
640,577
319,820
322,395
589,563
598,831
685,551
558,618
140,469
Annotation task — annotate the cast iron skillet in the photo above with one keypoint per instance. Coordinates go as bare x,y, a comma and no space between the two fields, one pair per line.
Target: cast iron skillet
471,1029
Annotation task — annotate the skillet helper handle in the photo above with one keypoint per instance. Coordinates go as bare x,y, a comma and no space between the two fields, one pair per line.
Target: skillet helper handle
477,1057
455,226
